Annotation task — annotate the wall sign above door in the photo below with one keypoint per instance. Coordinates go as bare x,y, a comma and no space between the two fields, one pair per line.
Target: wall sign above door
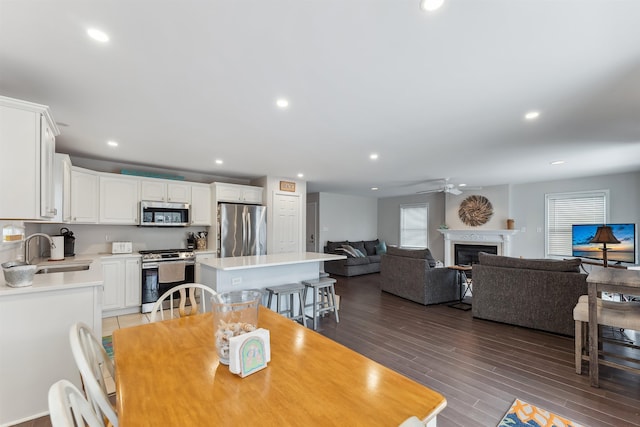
287,186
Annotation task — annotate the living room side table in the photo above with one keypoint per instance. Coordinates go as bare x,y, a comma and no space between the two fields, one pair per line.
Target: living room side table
461,277
612,280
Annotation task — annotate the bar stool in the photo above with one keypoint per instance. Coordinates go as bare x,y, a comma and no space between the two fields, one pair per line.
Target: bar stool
623,315
323,287
288,290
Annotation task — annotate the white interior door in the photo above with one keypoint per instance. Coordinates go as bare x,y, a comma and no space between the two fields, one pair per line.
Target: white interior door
312,227
286,223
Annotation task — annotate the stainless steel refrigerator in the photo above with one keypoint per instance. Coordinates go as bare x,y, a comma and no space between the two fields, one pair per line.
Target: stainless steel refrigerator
242,230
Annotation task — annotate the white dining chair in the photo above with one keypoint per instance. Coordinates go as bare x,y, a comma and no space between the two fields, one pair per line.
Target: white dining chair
91,358
201,307
69,408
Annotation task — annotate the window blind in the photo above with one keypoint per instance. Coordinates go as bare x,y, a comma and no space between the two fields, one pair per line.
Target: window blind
566,209
414,225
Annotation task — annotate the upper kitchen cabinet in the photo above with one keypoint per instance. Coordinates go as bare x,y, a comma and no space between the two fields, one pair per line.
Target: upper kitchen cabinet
27,147
235,193
200,204
62,187
118,200
162,191
85,189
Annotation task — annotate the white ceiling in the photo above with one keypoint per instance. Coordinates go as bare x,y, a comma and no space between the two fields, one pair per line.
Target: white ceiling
442,94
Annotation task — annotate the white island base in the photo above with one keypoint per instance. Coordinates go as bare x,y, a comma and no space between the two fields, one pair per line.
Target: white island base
261,271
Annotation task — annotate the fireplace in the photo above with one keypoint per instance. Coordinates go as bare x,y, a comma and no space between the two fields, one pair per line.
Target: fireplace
468,254
488,241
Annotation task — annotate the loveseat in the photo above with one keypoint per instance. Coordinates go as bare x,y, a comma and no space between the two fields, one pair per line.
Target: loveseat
534,293
412,274
353,265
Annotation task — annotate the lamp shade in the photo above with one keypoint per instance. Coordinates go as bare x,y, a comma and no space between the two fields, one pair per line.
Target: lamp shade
604,234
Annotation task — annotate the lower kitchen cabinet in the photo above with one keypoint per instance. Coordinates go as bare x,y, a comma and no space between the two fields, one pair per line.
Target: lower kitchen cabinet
122,285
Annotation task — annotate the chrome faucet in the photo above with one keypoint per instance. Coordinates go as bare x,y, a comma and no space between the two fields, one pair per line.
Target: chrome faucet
28,239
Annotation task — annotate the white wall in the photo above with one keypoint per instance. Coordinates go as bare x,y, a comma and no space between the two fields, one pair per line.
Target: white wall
346,218
527,201
498,196
389,219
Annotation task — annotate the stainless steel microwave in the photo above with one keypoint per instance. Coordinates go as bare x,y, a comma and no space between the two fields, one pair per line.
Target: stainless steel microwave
162,214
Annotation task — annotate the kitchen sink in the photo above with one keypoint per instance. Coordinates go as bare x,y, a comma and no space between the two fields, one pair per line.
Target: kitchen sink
62,269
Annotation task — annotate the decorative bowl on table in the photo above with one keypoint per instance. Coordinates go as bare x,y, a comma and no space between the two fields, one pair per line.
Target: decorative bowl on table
18,274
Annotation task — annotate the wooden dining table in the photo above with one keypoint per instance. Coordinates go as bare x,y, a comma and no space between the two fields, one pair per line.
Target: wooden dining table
168,374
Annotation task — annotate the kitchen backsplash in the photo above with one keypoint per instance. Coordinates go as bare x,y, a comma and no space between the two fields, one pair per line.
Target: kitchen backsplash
91,239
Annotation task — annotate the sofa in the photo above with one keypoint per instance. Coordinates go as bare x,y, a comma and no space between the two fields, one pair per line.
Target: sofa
353,265
412,274
534,293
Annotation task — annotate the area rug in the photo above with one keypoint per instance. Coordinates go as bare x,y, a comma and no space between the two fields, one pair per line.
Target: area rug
525,414
107,343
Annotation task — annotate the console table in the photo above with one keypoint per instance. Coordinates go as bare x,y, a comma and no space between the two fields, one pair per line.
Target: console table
611,280
461,277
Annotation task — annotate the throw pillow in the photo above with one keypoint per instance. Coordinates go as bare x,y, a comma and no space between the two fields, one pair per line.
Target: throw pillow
350,250
381,248
343,251
360,254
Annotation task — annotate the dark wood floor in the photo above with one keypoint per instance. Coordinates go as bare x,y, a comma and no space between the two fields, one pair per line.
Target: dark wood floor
479,366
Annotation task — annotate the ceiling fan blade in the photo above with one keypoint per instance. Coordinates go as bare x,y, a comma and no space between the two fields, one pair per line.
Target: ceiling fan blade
435,190
454,191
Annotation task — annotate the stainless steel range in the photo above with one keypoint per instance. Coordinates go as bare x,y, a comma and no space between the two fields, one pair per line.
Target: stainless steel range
160,268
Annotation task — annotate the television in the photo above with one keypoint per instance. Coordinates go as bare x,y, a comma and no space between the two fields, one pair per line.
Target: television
625,251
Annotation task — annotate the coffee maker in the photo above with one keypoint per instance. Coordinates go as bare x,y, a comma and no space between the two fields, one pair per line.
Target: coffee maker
191,241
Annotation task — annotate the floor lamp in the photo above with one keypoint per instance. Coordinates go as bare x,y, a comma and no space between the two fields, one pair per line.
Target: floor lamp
604,235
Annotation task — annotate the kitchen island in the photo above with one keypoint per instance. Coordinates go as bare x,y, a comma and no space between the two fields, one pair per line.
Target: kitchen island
260,271
34,337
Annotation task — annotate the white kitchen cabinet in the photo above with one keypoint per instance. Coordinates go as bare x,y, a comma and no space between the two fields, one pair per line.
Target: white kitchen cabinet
47,152
112,276
235,193
132,282
62,187
202,257
162,191
118,200
27,146
34,337
200,204
84,196
122,284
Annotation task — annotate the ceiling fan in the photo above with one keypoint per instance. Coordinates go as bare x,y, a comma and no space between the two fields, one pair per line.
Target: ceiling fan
446,187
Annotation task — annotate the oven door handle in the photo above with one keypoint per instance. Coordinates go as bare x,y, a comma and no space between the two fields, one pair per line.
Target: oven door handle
150,265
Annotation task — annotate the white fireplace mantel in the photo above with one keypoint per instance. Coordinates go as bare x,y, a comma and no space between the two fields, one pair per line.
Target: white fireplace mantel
499,238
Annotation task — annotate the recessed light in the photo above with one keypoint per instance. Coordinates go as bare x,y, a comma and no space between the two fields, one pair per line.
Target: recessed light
374,188
431,5
219,161
373,156
112,143
98,35
532,115
282,103
300,175
462,185
558,162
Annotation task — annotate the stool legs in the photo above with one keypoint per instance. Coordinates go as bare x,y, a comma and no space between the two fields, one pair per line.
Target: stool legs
579,331
323,299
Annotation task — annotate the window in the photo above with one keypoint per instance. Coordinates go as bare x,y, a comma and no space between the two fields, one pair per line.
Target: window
414,221
566,209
